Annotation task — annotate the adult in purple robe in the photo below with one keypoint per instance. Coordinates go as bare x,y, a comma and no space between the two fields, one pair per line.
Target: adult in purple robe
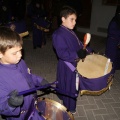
18,77
39,38
66,44
113,40
38,16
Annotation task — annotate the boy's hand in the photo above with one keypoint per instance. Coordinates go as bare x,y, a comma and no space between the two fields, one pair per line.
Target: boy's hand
15,100
82,53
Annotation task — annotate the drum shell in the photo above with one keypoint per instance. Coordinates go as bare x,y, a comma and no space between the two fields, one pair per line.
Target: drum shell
52,110
94,79
95,84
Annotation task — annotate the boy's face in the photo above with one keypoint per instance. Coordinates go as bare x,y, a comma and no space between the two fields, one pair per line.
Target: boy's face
70,21
11,56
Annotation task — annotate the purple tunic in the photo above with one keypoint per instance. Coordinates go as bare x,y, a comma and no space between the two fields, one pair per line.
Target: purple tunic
113,40
38,35
37,15
16,76
66,45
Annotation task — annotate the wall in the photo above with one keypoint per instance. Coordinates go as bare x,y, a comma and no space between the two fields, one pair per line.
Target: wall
100,18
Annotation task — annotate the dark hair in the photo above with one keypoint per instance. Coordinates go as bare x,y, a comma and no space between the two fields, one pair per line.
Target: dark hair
9,39
66,11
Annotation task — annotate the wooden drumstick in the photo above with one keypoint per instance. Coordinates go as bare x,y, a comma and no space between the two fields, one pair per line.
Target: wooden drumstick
87,38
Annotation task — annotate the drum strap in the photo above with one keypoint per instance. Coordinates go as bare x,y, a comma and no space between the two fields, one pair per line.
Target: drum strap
73,69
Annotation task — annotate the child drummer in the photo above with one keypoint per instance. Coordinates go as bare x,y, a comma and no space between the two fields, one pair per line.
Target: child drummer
68,48
15,77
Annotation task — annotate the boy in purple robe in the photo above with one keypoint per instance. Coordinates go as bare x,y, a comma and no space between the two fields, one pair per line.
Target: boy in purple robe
112,50
16,77
69,49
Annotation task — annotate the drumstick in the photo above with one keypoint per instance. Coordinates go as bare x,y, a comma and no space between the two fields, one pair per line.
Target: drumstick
37,88
48,86
87,38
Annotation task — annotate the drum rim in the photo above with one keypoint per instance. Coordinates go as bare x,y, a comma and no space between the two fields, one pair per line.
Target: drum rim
63,108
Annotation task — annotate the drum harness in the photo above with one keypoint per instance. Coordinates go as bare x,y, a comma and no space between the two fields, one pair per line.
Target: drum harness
73,69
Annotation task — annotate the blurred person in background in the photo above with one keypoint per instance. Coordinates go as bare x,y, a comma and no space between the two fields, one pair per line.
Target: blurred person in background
112,50
40,24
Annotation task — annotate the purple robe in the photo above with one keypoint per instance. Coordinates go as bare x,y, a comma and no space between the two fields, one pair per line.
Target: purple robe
113,39
38,15
16,76
66,45
38,35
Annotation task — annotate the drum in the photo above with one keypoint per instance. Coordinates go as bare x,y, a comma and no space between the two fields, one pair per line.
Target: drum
95,73
52,110
19,26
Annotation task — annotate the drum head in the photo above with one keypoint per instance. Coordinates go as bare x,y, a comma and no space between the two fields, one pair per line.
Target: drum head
94,66
52,110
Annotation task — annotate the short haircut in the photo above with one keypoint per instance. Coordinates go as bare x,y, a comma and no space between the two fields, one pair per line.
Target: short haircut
66,11
9,39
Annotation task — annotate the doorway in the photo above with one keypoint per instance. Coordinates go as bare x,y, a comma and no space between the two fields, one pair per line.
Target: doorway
84,17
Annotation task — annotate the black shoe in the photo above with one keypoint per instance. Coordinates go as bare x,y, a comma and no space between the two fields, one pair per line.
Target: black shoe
73,111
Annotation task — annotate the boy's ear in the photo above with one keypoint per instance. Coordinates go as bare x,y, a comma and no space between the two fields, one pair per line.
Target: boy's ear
63,19
1,55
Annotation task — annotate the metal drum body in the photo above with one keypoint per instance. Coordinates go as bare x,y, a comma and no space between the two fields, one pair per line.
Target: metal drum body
52,110
95,73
